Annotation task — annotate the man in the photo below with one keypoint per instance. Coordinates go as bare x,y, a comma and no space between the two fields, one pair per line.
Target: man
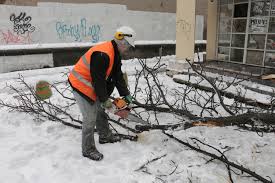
93,79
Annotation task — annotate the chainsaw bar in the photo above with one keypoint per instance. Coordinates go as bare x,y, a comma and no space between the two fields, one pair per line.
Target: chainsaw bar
134,118
127,115
122,110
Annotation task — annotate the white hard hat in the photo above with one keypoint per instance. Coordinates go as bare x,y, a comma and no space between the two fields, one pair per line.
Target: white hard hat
126,33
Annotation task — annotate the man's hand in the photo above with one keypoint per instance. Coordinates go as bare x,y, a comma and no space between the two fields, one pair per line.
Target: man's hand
128,99
107,104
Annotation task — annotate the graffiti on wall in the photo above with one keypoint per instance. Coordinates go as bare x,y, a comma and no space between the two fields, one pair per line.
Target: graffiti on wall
22,23
184,26
9,37
21,31
79,31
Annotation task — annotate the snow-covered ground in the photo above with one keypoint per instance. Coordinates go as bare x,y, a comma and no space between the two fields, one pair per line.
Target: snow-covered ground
32,151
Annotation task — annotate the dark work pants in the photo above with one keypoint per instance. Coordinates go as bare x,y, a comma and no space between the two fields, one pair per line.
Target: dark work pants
93,115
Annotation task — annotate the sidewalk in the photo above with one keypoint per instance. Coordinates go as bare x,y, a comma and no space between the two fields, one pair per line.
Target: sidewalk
243,71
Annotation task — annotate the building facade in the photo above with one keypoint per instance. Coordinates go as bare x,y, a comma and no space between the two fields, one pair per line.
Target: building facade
246,32
238,31
57,32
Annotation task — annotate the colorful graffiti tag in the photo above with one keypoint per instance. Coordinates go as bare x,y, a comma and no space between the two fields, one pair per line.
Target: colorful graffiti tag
21,32
9,37
78,32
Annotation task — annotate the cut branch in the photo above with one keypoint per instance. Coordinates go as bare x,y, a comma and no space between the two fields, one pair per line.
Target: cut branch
226,94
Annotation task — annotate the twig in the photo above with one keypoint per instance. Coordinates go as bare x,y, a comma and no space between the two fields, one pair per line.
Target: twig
150,161
213,86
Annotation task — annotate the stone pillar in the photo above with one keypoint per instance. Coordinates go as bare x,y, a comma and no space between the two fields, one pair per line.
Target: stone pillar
185,35
212,21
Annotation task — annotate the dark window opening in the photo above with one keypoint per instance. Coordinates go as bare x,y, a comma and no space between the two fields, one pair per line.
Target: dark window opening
240,10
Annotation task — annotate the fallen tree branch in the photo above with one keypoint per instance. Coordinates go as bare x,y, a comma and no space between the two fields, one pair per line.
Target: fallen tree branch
222,156
245,121
226,94
239,167
124,126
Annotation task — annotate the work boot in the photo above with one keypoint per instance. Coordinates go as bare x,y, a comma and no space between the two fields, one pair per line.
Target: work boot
109,139
94,155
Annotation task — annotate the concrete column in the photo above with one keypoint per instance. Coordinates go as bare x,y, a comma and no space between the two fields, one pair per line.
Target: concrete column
185,34
186,22
212,24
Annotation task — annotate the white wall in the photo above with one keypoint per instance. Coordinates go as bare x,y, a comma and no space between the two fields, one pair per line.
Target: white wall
25,62
64,23
53,24
67,23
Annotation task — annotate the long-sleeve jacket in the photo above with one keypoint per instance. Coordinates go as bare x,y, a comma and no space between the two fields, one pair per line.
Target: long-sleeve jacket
102,85
98,67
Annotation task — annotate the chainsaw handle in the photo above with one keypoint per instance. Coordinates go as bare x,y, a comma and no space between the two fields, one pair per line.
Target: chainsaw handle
120,103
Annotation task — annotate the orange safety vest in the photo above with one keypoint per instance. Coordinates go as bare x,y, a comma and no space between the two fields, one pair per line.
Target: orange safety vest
80,76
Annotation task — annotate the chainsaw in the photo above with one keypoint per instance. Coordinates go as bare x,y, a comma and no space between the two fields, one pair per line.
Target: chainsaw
123,110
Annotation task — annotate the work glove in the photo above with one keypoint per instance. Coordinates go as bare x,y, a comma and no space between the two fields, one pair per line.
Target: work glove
128,99
107,104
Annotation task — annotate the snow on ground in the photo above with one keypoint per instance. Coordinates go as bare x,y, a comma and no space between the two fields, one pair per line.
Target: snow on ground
42,152
237,90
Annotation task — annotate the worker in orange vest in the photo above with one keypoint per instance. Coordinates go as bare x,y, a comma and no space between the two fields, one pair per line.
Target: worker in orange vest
93,79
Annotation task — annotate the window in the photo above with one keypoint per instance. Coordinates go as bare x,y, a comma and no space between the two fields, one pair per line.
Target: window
239,25
254,57
247,32
237,55
224,40
272,11
238,40
270,43
258,25
260,8
223,53
272,25
240,10
270,59
225,18
256,41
